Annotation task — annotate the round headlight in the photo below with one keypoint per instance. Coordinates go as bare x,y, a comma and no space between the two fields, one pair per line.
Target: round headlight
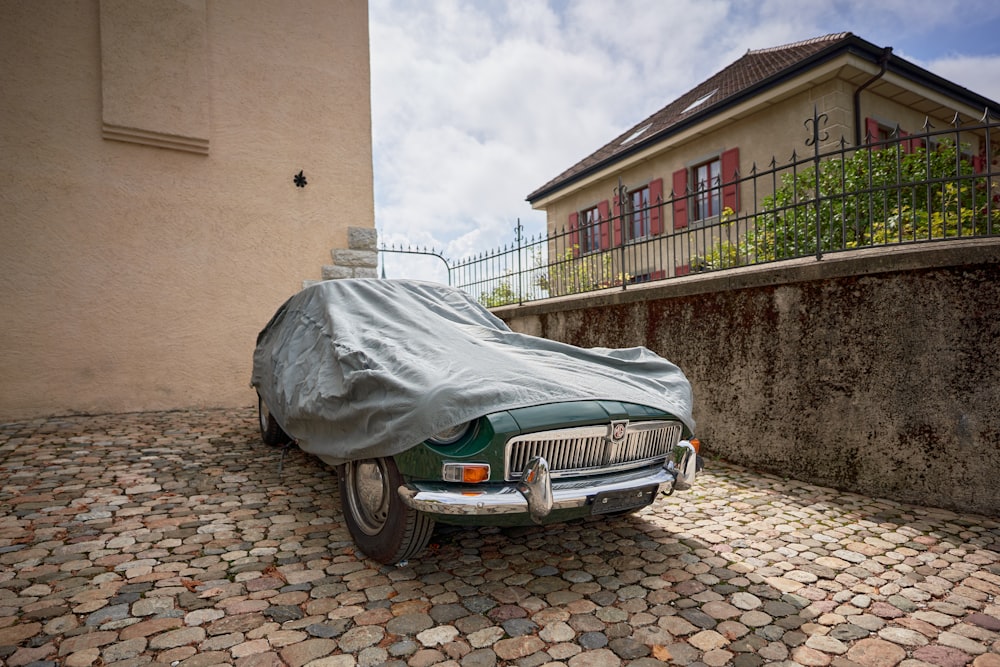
450,436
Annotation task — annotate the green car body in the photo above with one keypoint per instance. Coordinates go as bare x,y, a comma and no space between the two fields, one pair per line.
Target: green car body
486,443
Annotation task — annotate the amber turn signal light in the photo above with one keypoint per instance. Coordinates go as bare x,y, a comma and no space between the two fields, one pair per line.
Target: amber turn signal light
467,473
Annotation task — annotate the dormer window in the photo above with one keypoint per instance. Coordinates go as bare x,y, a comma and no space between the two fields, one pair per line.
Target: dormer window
635,135
701,100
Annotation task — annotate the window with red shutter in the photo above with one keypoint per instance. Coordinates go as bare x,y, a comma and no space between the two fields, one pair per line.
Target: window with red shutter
905,144
714,187
593,230
730,170
637,219
656,201
574,234
878,132
871,130
604,212
590,230
707,188
680,200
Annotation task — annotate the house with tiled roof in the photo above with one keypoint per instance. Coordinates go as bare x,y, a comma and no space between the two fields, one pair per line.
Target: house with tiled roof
686,165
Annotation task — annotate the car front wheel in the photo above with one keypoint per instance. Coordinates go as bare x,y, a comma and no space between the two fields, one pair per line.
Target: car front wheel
270,432
381,525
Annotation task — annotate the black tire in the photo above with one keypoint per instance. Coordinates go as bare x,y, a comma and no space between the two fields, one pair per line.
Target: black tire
270,431
382,527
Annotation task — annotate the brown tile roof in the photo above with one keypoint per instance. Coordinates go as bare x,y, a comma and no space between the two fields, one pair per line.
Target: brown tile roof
753,68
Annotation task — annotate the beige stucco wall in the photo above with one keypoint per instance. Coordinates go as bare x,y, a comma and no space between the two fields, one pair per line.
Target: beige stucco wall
134,277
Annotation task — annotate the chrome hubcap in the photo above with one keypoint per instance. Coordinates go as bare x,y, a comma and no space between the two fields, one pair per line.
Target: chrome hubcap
367,485
265,414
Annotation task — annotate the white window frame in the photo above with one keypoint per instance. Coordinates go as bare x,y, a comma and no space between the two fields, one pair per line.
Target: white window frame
590,230
706,195
641,217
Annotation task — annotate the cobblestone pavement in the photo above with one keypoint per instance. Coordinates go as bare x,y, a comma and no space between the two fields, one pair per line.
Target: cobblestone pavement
169,538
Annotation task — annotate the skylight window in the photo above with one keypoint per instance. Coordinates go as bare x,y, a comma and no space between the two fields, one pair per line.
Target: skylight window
635,135
701,100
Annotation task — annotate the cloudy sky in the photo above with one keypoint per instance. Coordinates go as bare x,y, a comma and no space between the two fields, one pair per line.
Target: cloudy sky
476,103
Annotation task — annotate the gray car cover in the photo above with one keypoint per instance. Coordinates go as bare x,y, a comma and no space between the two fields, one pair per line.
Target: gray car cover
365,368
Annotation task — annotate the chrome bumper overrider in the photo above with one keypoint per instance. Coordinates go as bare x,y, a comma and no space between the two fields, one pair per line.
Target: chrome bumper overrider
537,495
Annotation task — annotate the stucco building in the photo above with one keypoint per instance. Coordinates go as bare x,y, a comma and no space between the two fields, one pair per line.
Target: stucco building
676,172
151,216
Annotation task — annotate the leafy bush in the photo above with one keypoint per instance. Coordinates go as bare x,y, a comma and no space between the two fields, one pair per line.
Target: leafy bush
501,295
873,197
572,273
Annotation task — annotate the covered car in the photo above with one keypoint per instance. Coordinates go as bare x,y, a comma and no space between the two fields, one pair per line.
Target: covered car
432,409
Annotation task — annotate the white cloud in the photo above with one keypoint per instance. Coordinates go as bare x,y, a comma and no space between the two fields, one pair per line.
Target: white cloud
477,103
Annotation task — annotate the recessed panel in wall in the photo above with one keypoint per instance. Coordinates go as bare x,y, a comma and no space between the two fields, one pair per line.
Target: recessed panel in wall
154,68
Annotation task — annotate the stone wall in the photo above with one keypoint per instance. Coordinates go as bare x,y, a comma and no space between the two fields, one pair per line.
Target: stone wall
871,371
358,260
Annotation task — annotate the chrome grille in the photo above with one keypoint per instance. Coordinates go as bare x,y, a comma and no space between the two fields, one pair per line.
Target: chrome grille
585,450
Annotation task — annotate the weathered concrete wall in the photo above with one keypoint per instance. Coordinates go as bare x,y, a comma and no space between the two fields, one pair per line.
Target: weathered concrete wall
877,372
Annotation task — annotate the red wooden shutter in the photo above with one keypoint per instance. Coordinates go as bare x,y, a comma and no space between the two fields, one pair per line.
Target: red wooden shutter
656,202
574,233
905,144
730,168
871,128
617,222
978,164
680,199
604,211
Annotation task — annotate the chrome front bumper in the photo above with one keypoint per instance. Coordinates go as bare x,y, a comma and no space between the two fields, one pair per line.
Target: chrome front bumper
536,494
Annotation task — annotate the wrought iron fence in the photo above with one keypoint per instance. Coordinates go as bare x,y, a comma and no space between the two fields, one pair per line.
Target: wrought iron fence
934,185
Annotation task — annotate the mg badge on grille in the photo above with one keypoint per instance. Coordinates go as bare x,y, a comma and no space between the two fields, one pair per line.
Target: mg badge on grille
617,431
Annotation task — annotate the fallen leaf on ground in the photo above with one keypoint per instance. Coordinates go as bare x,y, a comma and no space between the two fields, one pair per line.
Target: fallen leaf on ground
661,653
191,584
